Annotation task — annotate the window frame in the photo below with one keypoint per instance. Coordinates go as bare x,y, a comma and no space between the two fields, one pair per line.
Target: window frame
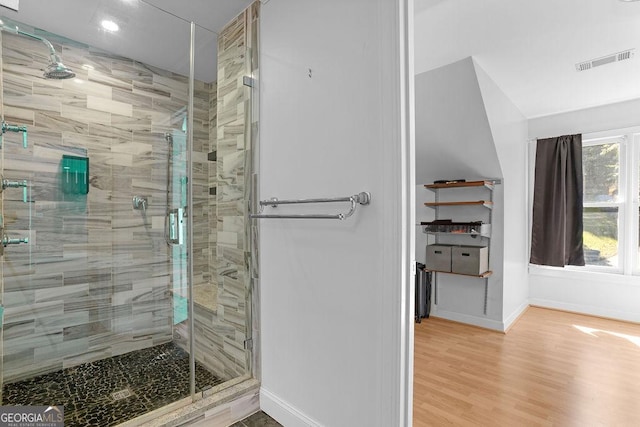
633,206
620,203
627,203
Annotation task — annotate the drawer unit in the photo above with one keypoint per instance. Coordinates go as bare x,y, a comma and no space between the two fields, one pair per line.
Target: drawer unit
439,257
473,260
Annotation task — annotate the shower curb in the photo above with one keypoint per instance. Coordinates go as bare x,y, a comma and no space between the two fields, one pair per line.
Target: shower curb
222,408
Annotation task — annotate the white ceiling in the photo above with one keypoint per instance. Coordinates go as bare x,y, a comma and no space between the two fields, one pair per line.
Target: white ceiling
156,32
530,48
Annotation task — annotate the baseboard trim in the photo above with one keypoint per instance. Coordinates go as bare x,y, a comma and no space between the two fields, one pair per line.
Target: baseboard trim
282,412
480,322
515,316
620,316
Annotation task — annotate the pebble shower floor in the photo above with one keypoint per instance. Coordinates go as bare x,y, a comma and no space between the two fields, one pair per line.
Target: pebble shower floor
110,391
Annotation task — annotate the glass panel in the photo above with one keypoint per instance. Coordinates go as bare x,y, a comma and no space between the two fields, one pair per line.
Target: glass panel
601,236
96,302
100,308
601,167
222,171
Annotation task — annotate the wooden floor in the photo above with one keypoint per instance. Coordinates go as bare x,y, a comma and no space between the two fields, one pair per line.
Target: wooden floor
552,368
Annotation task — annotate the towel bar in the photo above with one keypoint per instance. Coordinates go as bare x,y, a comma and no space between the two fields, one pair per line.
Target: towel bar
363,198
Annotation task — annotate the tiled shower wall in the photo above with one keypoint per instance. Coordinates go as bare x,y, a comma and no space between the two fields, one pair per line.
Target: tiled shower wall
220,334
94,280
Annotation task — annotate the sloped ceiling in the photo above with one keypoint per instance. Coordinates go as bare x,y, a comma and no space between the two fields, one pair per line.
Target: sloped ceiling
453,135
530,48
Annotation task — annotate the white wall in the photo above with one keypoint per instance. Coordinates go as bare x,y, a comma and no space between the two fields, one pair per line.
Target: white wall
335,295
466,127
453,137
608,295
596,119
509,129
454,140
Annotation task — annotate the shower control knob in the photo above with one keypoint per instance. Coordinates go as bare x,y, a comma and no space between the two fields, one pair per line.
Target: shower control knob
140,203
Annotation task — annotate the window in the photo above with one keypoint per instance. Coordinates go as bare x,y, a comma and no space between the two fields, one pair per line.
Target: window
611,208
611,168
602,202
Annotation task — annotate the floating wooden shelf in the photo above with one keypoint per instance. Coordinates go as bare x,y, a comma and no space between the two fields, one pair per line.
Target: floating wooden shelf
485,183
479,276
484,231
487,204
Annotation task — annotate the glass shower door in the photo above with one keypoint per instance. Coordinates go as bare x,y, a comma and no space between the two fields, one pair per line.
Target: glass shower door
132,289
94,297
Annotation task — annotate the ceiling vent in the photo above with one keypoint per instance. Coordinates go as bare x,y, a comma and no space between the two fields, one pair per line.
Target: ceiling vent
620,56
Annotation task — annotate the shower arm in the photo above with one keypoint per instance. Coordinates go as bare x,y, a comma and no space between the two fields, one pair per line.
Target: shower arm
16,30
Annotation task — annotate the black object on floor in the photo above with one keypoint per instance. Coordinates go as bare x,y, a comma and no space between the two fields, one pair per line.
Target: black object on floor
423,292
110,391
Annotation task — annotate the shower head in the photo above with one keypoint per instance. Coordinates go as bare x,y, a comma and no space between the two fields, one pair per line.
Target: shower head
56,69
168,137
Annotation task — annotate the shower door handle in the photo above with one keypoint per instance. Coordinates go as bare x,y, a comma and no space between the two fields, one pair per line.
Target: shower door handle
176,226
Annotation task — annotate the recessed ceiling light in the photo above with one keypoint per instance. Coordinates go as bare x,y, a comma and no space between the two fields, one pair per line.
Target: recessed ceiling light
109,25
87,67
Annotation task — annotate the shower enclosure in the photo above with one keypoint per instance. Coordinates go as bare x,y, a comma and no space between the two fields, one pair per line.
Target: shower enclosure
125,272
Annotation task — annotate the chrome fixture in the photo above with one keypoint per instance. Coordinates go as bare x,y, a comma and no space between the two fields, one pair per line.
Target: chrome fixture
363,198
56,69
248,81
170,218
15,128
140,203
5,240
173,218
15,184
175,235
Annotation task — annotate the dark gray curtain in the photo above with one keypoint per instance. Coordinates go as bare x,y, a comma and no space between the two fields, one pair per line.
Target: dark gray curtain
556,237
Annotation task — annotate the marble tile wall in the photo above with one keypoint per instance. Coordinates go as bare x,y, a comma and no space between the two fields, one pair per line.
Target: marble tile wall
204,212
205,223
220,334
233,181
94,280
